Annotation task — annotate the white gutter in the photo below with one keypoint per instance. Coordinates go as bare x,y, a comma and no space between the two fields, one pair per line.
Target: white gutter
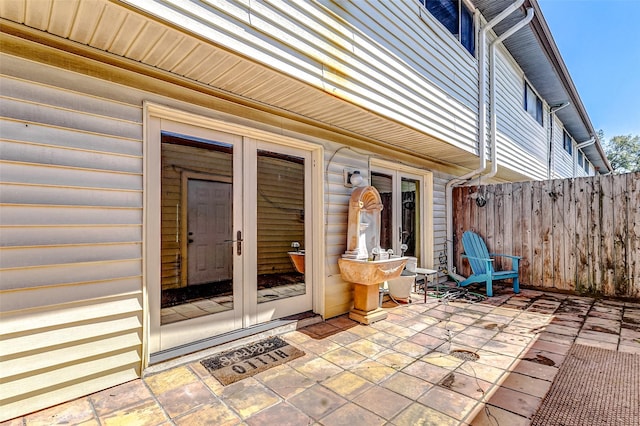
482,127
586,143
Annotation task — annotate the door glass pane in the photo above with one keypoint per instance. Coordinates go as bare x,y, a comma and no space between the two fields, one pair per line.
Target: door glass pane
384,184
196,228
410,216
281,226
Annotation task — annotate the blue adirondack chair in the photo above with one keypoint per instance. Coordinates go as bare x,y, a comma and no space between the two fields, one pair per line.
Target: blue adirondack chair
482,264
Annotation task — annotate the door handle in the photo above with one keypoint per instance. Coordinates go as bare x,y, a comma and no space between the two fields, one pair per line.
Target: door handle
238,240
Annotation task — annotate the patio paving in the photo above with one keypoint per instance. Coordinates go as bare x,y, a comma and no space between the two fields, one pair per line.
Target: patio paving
415,367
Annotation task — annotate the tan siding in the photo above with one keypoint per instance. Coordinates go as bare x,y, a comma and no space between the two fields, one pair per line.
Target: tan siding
70,239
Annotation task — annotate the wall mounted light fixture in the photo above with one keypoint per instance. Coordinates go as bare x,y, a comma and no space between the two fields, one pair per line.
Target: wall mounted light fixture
352,178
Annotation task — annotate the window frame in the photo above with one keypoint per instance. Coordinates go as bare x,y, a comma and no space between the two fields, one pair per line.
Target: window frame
567,142
537,111
464,34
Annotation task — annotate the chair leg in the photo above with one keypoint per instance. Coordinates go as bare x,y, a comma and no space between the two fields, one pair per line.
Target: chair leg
489,287
516,285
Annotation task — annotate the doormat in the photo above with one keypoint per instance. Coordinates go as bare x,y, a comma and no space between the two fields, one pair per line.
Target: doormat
230,366
593,387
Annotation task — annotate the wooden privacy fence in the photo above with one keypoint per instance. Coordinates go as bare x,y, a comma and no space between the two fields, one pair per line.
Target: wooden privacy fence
580,235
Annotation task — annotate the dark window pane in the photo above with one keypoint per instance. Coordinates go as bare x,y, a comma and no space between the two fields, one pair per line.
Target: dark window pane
445,11
467,31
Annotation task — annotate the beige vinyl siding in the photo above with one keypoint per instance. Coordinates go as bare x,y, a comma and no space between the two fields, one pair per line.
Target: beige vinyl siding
337,48
70,238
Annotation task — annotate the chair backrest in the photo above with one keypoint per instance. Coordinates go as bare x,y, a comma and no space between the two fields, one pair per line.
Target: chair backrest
474,246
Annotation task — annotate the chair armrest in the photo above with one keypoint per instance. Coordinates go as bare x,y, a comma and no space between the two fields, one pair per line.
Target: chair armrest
478,258
505,255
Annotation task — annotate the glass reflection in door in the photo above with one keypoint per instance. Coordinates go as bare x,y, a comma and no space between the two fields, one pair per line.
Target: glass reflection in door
280,226
196,228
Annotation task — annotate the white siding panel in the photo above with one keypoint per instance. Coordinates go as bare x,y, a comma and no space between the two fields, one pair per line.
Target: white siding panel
48,154
74,234
522,141
69,138
71,235
36,276
34,194
16,257
32,173
22,214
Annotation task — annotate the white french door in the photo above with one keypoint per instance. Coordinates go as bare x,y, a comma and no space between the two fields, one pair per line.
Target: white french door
406,215
229,210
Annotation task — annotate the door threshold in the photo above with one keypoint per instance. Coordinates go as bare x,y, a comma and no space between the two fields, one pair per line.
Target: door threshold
184,354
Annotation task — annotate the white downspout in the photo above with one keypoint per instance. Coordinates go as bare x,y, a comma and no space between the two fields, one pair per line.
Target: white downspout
492,89
482,126
552,117
586,143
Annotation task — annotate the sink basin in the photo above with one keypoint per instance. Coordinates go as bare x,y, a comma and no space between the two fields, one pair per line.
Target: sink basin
371,272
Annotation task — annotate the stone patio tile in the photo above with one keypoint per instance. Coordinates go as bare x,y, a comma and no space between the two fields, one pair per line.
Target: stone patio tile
439,331
561,329
343,357
399,331
180,400
373,371
483,332
317,369
215,413
128,394
418,414
426,371
383,339
503,348
472,387
280,414
534,369
321,329
146,414
442,360
382,402
481,371
347,384
407,385
248,396
342,321
448,402
597,343
72,412
317,401
19,421
495,359
600,337
514,401
351,414
468,340
411,349
632,349
394,359
286,381
558,348
513,339
426,340
492,416
460,318
366,347
170,379
318,346
544,357
343,338
527,384
556,338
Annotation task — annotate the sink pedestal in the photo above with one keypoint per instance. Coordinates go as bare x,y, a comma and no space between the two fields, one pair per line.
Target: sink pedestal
366,299
366,277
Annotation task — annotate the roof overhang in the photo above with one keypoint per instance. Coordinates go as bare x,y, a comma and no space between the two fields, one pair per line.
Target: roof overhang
536,52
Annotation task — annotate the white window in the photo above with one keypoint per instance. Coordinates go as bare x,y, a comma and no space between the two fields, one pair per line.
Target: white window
567,142
533,104
456,18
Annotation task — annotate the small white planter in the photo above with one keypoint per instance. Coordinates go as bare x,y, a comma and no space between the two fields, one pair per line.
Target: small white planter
400,288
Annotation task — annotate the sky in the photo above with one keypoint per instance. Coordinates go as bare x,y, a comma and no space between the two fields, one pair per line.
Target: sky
599,41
